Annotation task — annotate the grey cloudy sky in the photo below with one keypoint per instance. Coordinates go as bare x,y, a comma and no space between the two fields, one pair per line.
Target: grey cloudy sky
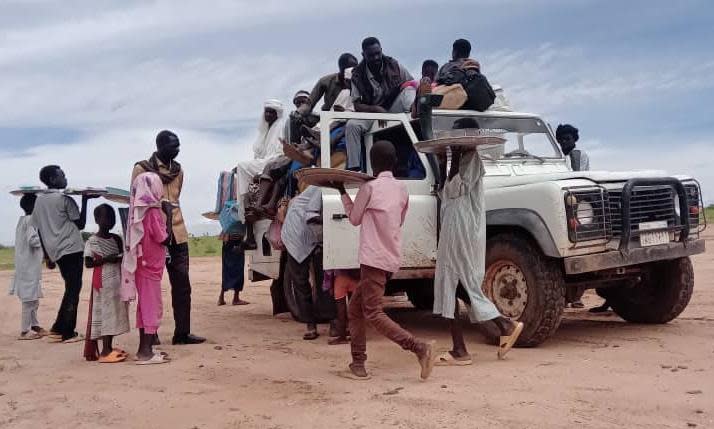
87,84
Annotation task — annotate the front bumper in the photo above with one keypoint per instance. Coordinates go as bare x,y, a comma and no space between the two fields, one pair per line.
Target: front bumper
641,255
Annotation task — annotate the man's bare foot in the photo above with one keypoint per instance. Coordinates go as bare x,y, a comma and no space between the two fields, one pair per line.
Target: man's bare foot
221,300
238,301
338,341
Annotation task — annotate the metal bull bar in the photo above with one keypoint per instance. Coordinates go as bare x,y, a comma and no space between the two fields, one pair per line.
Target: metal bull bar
626,203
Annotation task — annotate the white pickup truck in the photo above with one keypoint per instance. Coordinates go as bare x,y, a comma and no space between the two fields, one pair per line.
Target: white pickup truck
550,230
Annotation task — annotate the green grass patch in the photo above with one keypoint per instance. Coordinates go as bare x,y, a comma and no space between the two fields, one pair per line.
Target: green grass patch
204,246
709,213
7,258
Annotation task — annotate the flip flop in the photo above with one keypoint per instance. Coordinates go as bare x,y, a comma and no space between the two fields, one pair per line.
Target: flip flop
77,338
312,335
113,357
427,362
447,359
30,335
241,302
156,359
42,332
54,336
507,343
120,351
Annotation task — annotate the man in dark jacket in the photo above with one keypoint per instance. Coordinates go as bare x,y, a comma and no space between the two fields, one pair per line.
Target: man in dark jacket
376,88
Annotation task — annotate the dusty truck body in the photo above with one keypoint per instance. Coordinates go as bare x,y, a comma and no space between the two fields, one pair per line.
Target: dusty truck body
551,231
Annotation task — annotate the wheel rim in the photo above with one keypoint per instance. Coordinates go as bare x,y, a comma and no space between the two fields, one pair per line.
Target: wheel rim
505,284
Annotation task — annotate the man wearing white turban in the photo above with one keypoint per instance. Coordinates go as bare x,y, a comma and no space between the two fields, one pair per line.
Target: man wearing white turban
268,146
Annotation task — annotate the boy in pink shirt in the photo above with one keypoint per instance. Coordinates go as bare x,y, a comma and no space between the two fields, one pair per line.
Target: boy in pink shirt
379,208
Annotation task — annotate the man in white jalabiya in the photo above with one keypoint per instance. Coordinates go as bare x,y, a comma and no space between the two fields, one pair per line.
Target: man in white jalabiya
266,148
461,255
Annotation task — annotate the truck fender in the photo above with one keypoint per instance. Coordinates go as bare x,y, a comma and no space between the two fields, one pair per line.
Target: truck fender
528,220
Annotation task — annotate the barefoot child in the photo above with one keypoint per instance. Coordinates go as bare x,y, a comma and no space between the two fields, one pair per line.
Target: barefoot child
461,256
144,260
109,316
28,271
379,208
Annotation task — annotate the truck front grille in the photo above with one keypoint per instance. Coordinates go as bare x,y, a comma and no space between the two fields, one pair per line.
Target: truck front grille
650,204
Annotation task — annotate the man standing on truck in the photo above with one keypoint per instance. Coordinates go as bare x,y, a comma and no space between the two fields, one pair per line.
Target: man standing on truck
376,88
461,257
163,162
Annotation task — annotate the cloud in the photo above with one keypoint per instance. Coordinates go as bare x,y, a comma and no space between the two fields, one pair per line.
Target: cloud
100,79
107,158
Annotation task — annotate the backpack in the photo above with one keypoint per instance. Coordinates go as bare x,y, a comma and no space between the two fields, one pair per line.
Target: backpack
480,94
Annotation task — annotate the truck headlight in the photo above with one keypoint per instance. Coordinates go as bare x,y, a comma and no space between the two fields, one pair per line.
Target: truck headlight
587,209
586,213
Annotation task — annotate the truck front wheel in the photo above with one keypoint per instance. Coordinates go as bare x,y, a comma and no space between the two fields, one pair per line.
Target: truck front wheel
661,295
524,285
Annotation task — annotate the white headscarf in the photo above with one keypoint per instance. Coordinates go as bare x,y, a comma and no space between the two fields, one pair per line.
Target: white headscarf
344,98
267,144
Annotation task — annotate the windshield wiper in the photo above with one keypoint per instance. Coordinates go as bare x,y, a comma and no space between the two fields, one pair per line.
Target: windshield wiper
524,153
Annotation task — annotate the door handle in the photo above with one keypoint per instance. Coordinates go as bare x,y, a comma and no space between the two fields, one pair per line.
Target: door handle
339,216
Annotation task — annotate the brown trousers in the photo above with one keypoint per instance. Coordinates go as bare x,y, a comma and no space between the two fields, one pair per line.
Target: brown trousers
366,306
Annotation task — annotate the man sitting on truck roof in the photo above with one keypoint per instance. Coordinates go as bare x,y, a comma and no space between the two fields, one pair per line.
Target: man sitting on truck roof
461,50
329,86
376,88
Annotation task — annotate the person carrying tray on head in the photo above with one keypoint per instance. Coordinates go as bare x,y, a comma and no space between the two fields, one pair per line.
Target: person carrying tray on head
59,221
461,255
379,209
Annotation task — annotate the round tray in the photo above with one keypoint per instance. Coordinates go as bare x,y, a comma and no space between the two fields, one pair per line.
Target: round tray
325,176
211,215
28,190
469,142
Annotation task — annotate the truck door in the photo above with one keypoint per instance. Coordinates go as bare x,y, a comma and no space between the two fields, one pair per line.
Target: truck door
341,239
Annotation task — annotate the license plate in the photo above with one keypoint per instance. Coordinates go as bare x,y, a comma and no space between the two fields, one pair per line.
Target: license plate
653,238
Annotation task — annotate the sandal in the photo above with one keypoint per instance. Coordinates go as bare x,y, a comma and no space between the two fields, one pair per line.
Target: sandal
507,343
29,335
309,336
338,341
447,359
77,338
156,359
113,357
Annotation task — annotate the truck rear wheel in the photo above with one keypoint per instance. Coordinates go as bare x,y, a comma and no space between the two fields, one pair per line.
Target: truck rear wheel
524,285
661,296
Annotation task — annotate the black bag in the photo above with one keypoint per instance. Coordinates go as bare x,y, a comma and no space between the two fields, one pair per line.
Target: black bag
480,93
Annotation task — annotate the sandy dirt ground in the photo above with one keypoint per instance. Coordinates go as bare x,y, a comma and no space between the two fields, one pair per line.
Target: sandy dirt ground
257,372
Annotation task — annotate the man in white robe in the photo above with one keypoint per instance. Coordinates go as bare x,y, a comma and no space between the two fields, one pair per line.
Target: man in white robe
461,257
268,146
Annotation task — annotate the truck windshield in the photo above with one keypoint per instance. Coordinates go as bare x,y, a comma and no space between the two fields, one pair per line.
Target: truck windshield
525,138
